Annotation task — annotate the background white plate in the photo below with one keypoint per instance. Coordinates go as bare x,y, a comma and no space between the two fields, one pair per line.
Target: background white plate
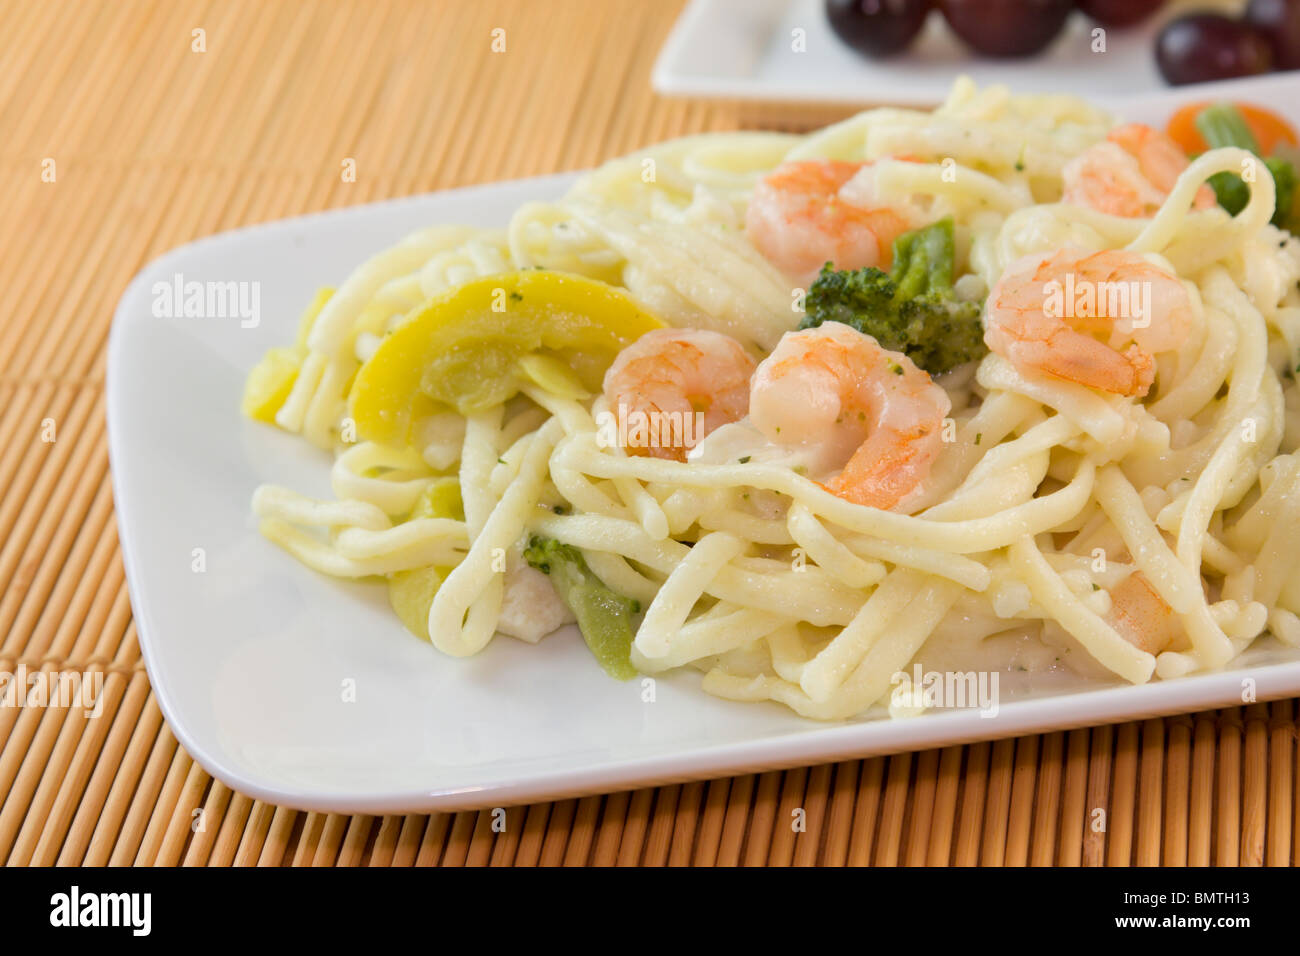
742,50
249,659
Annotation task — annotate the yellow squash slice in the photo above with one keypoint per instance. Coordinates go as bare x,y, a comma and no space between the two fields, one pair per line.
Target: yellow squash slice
463,349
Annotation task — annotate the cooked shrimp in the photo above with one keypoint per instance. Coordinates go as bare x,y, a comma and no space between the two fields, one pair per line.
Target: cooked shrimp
801,216
1070,314
1142,617
669,380
834,386
1129,174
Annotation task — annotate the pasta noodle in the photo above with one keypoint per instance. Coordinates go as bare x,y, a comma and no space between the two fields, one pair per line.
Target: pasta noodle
1047,497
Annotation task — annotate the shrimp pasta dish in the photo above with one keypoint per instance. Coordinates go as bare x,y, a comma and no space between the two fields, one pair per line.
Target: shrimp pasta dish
1005,385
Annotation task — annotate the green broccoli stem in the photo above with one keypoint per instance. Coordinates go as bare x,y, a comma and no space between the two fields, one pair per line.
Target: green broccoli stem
923,260
1223,125
604,616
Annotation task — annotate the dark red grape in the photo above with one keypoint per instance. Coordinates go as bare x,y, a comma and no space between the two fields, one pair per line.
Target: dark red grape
1007,27
877,27
1119,13
1278,21
1207,46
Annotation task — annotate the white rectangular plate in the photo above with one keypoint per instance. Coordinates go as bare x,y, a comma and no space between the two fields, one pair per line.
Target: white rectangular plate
306,691
746,50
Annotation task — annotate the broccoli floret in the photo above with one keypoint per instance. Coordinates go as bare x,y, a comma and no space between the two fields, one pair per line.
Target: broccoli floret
1285,180
848,296
911,309
604,616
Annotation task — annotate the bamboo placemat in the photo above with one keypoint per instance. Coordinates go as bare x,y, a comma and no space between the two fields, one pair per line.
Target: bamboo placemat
151,141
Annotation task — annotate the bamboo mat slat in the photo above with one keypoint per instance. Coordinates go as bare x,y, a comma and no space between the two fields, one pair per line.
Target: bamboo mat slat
154,144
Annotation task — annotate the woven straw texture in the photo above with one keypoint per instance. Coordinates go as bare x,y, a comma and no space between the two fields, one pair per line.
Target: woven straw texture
155,144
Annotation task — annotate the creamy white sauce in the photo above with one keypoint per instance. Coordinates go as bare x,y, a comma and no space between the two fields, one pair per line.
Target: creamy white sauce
729,444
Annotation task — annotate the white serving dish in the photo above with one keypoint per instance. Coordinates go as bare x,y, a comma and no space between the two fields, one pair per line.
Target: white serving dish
249,658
